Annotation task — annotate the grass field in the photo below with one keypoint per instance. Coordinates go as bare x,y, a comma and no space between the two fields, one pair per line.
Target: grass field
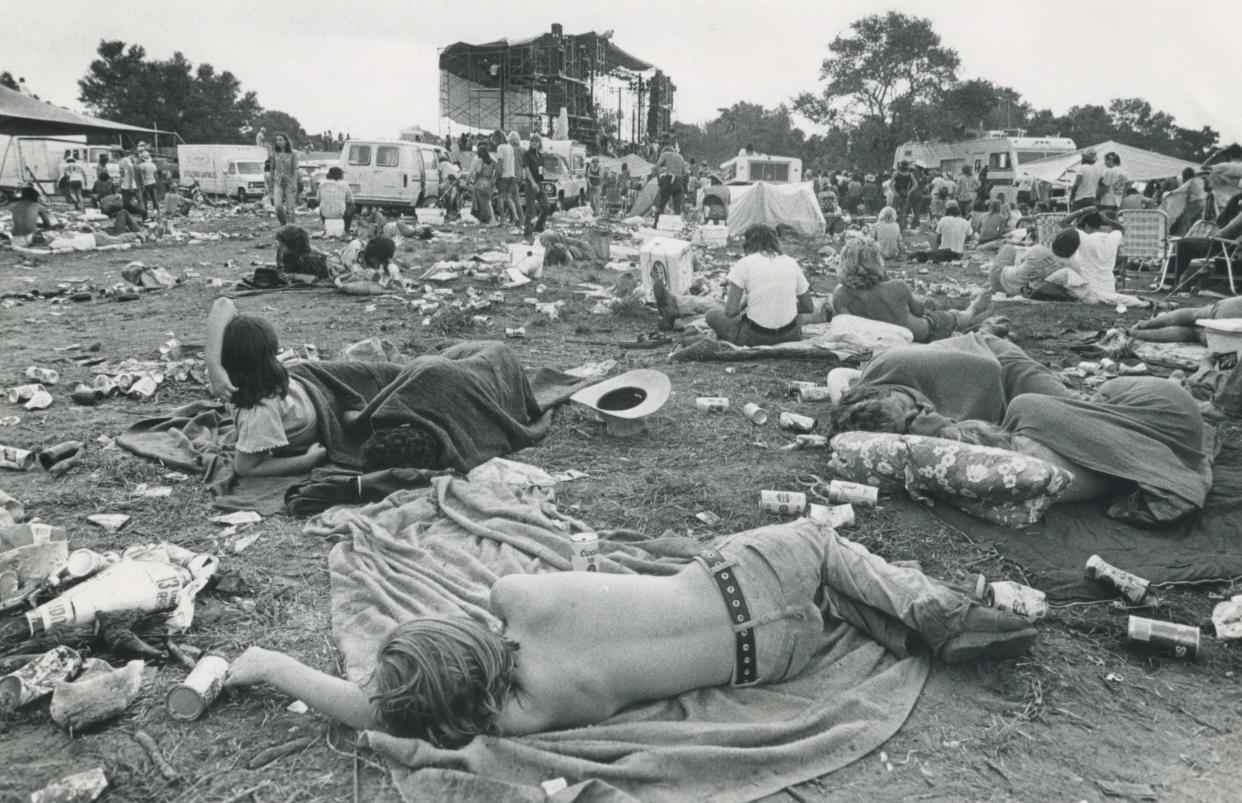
1079,712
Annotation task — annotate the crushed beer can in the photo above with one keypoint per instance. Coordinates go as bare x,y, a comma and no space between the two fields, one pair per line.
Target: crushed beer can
811,441
40,401
23,393
1227,618
1006,595
835,516
795,386
814,393
44,376
16,459
1130,586
782,503
1166,638
797,423
36,679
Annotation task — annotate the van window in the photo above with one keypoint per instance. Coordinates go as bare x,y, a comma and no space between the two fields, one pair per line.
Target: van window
579,163
998,161
360,154
387,156
430,160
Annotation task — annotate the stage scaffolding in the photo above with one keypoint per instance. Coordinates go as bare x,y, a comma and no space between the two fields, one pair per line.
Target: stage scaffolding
606,93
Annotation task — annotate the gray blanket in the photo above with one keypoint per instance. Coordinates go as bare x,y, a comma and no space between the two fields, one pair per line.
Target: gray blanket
440,550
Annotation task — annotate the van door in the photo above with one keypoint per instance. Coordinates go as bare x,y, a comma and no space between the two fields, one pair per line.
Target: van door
359,171
390,179
430,173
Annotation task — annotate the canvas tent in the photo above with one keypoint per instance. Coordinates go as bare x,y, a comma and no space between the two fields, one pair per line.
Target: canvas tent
639,167
23,116
1138,164
793,205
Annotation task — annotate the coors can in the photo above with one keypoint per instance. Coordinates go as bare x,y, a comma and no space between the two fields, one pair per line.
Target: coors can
854,493
190,698
1168,638
584,552
782,502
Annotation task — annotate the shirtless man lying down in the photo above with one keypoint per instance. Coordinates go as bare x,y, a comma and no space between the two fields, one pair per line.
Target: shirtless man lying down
577,647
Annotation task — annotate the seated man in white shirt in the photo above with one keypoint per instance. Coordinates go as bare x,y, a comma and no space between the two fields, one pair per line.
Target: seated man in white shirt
1100,240
767,291
951,233
336,200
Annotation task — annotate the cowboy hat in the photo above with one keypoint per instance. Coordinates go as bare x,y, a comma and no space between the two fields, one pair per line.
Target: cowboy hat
625,401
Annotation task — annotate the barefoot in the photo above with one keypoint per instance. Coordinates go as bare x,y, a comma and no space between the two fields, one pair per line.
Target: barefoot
981,305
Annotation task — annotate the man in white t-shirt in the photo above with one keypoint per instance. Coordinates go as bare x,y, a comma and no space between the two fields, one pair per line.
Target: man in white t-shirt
767,291
1113,184
1100,239
1087,183
951,233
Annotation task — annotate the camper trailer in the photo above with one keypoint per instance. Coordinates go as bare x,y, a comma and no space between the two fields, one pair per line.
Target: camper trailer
25,159
748,168
234,170
999,151
391,172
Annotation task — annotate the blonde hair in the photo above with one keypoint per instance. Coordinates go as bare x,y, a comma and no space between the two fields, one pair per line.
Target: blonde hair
442,679
862,265
887,215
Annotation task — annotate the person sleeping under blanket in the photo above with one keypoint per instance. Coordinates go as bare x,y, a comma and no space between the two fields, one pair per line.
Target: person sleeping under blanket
866,291
578,647
1140,439
454,410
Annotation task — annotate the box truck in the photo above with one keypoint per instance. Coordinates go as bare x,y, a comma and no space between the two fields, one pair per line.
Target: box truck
233,170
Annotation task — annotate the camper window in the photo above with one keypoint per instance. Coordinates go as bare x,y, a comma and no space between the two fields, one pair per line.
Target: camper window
1031,156
998,161
769,171
387,156
360,154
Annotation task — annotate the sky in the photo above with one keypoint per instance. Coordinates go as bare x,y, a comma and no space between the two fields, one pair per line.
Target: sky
369,67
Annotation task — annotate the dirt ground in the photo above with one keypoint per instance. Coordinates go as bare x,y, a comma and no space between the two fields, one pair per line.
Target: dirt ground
1081,718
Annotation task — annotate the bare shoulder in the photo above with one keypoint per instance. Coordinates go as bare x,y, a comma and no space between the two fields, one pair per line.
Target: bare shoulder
520,597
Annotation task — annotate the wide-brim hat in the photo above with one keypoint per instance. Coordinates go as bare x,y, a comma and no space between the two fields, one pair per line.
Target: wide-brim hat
624,401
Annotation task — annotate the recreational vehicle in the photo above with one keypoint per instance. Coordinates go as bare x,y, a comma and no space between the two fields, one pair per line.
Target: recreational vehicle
25,159
748,168
999,151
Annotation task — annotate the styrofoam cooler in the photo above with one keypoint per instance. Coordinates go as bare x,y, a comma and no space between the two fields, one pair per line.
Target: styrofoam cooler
676,258
712,236
527,258
670,223
429,215
334,227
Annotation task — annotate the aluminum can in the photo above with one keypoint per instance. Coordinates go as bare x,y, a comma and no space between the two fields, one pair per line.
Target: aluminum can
797,423
515,331
794,386
1130,586
814,393
16,459
23,393
712,404
755,413
834,516
37,678
855,493
1167,638
46,376
811,441
1006,595
584,552
192,697
782,502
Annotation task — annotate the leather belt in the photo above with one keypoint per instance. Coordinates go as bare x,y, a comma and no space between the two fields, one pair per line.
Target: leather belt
745,660
763,330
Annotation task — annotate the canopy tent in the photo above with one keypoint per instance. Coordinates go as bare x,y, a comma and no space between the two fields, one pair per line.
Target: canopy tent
1138,164
793,205
23,116
639,167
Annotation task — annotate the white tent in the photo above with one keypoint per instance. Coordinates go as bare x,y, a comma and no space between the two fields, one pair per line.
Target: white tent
1138,164
793,205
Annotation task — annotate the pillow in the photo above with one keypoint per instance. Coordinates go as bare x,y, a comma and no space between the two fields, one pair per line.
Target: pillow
998,485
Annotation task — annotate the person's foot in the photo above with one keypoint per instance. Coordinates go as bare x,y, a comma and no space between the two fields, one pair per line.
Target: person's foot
980,307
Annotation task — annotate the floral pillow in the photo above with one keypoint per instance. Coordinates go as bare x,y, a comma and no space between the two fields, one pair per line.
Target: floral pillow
994,484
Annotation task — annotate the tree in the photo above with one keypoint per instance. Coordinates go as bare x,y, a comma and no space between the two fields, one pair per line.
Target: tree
7,80
769,130
173,95
878,74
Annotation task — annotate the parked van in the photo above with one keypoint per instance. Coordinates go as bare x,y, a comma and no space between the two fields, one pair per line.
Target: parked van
749,168
233,170
391,172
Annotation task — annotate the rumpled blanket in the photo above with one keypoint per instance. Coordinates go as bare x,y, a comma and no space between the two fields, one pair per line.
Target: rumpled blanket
1142,429
474,397
439,551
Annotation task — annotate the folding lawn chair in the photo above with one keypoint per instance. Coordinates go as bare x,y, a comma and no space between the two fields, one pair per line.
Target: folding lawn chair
1146,240
1046,227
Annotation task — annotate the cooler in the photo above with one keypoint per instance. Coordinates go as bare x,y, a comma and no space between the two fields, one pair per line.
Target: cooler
527,258
674,258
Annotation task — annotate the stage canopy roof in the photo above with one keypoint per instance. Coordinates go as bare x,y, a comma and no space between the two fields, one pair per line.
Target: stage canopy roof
24,116
470,61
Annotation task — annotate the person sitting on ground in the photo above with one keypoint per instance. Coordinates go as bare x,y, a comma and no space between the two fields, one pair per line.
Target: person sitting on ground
766,291
124,221
1041,271
995,223
336,199
951,233
295,259
578,647
30,218
1100,239
1181,325
866,291
103,187
371,269
451,410
177,201
888,234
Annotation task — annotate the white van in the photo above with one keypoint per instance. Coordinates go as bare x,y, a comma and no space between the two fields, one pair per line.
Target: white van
391,172
24,158
234,170
564,172
749,168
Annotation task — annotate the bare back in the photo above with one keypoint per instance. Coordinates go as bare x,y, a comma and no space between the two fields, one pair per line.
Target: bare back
888,302
592,644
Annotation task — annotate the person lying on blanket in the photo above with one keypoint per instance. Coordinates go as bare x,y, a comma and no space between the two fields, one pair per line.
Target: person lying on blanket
577,647
981,389
456,409
1181,325
865,290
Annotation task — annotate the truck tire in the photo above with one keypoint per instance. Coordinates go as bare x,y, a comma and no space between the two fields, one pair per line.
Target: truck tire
561,203
582,201
241,195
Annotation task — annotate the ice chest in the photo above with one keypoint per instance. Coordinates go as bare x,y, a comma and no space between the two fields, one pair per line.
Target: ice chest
334,227
673,258
430,215
1224,335
670,223
712,236
527,258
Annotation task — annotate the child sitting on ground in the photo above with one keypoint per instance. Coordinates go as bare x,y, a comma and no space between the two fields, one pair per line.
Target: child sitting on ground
866,291
370,269
1179,326
888,234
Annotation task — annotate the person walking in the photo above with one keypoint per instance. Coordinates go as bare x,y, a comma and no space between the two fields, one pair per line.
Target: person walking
595,184
536,198
284,178
905,192
670,169
74,177
1086,189
482,178
509,154
1113,184
149,173
131,180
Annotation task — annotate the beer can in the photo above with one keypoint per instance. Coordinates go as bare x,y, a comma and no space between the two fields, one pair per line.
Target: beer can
834,516
797,423
584,552
23,393
855,493
755,413
46,376
814,393
1108,366
1130,586
794,386
189,699
1167,638
37,678
515,331
85,562
105,383
480,320
782,503
16,459
712,404
40,401
1090,367
811,441
1138,369
1005,595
